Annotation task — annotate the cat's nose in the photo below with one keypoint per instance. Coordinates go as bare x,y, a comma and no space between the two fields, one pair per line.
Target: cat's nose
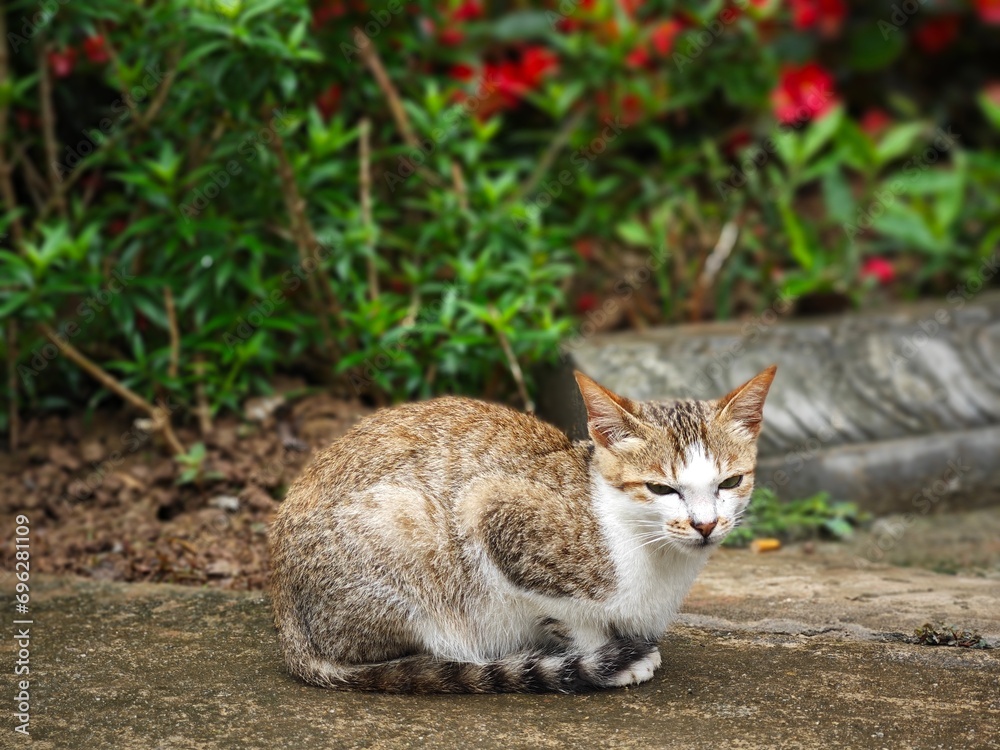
704,528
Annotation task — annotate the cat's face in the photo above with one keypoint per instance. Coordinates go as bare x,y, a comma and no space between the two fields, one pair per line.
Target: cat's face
686,468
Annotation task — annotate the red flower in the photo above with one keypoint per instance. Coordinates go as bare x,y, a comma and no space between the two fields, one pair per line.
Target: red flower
536,63
628,107
328,101
451,36
737,141
828,15
989,10
874,121
638,57
937,35
663,35
630,6
586,302
467,11
803,93
327,11
879,269
95,49
462,72
62,62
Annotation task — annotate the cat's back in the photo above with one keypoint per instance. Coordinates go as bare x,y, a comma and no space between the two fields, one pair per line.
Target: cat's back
438,446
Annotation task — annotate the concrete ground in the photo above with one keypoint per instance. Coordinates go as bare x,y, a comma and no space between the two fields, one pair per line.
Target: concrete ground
781,650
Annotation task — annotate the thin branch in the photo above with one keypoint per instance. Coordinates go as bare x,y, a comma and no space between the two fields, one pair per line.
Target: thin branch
305,239
116,62
48,114
147,117
514,365
204,410
6,168
459,182
175,333
159,415
365,183
33,180
713,264
17,228
14,418
371,58
549,157
62,188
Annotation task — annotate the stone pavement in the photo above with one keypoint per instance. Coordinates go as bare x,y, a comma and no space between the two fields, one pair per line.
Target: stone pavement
783,650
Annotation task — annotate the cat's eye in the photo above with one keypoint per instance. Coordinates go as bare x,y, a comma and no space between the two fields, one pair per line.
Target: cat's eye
732,482
660,489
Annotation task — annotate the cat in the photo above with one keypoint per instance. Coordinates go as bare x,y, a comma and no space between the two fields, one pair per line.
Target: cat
458,546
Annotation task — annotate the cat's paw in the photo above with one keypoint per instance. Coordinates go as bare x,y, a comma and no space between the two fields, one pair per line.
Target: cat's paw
638,671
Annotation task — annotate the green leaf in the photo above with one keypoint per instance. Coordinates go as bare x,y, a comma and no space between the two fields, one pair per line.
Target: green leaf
897,141
634,233
820,132
797,240
869,48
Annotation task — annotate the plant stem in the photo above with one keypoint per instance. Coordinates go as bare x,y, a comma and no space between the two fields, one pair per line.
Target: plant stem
175,334
365,185
159,415
48,114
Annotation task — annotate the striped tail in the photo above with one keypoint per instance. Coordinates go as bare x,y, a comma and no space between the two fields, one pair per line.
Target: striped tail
525,672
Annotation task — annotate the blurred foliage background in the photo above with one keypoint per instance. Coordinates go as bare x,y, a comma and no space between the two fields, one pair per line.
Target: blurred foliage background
401,199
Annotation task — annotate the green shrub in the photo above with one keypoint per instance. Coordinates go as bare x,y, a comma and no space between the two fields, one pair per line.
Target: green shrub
191,216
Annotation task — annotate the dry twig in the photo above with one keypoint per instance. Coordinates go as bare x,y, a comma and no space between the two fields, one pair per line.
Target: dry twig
513,364
159,415
371,58
305,240
48,114
175,333
365,185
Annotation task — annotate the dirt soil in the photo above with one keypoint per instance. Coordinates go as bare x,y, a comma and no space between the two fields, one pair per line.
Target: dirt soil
104,501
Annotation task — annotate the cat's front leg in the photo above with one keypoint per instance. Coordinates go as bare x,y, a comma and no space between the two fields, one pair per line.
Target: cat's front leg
624,660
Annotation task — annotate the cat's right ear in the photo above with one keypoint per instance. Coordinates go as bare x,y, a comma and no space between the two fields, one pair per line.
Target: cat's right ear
610,417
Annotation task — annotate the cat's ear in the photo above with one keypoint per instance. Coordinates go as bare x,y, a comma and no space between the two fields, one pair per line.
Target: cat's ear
745,405
610,418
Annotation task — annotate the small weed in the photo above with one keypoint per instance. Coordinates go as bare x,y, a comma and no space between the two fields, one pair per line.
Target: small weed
797,519
948,635
194,466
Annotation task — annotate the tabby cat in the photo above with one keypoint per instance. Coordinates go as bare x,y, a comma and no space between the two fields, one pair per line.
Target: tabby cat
456,546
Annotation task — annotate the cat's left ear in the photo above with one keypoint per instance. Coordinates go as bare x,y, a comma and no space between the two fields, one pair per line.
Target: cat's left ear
610,418
745,405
